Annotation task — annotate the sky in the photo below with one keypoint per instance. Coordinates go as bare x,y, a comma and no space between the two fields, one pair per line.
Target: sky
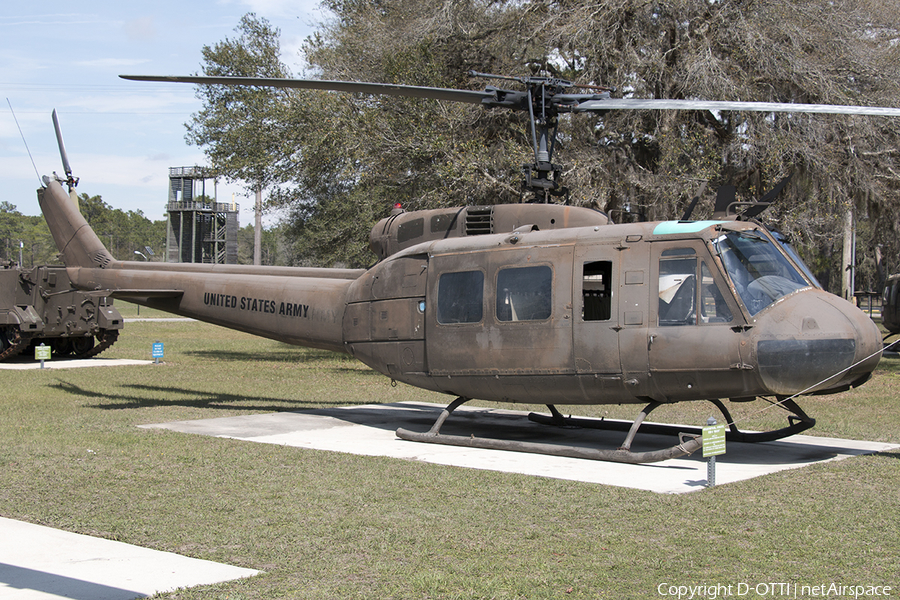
121,136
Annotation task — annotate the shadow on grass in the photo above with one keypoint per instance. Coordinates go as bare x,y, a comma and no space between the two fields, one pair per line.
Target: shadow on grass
289,354
328,360
193,399
890,362
490,424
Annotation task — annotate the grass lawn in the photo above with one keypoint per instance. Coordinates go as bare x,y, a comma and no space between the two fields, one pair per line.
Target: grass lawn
328,525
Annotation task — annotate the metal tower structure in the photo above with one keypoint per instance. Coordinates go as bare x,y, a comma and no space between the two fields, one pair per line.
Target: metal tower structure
199,229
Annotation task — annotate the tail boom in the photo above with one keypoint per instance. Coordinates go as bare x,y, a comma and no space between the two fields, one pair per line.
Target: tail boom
300,306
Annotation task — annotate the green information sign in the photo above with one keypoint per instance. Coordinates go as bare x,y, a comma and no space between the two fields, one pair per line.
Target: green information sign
713,440
42,352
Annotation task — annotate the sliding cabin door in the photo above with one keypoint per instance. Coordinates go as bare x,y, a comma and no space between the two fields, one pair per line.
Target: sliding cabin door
499,323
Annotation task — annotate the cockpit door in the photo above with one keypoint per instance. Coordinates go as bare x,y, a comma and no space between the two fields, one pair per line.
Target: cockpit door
695,333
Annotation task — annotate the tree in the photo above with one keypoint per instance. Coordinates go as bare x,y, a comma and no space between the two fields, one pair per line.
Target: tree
828,52
38,245
32,233
370,153
10,231
765,50
272,247
122,232
346,159
241,129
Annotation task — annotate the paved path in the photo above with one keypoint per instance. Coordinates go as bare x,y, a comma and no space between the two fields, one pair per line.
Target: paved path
40,563
27,363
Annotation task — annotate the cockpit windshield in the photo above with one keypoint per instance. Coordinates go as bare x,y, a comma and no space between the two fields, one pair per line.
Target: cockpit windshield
789,248
759,270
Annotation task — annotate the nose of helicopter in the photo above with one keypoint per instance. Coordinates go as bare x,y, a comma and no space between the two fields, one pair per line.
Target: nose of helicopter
813,341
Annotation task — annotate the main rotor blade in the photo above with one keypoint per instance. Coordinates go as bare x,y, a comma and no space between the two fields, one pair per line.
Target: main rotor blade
827,109
389,89
491,97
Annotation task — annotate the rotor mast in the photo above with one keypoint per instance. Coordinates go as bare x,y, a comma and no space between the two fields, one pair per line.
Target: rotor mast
541,176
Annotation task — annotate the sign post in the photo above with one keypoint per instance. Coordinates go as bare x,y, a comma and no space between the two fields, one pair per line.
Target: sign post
157,351
42,353
713,445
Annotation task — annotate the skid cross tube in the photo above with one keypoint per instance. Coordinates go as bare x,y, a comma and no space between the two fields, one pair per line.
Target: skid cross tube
687,444
797,422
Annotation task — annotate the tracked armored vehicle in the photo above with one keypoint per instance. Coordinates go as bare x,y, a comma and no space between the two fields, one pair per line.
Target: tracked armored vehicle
40,305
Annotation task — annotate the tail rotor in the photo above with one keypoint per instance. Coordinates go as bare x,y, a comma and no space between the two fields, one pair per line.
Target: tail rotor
71,181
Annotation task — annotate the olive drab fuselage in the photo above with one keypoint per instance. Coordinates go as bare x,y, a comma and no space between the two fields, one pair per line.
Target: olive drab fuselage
601,314
544,304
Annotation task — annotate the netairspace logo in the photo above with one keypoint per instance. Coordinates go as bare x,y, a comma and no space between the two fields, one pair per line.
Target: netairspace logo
771,590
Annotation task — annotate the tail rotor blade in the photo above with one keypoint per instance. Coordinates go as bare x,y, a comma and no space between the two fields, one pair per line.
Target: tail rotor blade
62,146
71,180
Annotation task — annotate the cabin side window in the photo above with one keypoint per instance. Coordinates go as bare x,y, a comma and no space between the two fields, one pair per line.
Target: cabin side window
524,293
680,300
596,291
460,297
678,287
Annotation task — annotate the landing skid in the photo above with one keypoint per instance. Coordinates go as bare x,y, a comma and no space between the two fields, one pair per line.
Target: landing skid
687,444
797,422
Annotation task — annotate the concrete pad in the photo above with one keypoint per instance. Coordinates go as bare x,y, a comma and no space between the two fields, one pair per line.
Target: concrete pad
40,563
23,363
369,430
162,319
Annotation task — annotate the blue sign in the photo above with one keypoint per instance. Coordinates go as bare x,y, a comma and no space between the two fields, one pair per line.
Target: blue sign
157,350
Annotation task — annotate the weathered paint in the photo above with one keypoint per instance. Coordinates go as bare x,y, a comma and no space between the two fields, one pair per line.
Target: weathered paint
564,314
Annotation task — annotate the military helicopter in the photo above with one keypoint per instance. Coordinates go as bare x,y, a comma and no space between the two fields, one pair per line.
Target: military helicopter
890,305
536,302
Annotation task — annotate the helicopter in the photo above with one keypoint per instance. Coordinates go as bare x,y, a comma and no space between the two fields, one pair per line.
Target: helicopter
890,306
537,302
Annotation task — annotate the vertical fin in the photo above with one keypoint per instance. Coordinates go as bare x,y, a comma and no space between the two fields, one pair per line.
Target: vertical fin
77,243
